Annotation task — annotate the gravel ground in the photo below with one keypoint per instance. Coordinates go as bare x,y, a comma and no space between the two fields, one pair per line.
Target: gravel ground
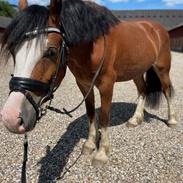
149,153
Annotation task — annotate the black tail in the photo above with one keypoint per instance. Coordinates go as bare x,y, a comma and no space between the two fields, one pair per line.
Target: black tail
153,89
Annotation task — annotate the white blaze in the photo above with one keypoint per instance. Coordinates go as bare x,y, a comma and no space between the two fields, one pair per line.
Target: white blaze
27,57
17,107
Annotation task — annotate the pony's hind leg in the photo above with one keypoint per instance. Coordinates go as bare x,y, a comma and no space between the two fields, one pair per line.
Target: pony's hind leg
90,144
106,91
163,74
138,116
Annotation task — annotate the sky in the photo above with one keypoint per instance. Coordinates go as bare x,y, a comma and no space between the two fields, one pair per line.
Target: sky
125,4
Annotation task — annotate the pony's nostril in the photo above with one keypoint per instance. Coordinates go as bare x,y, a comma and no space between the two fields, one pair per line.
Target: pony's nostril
21,121
21,128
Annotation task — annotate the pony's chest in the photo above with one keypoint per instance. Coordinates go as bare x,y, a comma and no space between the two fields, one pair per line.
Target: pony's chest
82,72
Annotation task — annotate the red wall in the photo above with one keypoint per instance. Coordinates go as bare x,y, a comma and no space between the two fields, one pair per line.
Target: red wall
177,32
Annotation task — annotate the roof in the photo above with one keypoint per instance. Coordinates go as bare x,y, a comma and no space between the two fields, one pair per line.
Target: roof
168,18
4,21
177,26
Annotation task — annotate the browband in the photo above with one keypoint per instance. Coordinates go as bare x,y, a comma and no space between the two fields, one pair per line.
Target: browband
42,31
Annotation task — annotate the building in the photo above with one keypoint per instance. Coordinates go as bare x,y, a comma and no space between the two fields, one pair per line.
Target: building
168,18
176,35
4,22
172,20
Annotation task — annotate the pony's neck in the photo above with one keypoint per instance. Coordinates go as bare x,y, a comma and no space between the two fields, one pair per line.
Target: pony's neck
80,54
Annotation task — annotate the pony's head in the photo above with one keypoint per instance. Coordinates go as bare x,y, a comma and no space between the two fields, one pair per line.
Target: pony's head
35,44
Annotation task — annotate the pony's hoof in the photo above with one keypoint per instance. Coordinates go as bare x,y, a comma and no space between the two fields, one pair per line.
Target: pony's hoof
131,125
172,123
133,122
99,160
88,148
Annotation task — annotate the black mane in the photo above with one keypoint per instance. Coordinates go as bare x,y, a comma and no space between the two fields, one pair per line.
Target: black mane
85,21
33,17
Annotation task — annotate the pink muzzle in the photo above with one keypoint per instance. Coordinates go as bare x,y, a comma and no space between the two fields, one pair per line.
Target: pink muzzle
12,113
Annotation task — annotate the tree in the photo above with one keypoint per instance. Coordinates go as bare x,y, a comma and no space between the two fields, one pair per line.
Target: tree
6,9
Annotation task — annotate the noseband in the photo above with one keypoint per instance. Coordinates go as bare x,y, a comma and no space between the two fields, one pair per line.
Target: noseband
27,85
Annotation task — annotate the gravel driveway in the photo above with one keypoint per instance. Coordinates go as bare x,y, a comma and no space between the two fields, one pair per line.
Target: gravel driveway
149,153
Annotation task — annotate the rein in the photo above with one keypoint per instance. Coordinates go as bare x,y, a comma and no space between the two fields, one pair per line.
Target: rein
86,96
25,85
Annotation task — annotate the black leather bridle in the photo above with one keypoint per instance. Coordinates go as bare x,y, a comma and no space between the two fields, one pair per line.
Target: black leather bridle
27,85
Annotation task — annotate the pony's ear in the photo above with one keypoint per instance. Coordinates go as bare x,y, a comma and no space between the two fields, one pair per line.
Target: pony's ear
22,4
54,13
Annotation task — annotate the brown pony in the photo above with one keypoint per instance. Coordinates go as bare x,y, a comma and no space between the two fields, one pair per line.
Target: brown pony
132,50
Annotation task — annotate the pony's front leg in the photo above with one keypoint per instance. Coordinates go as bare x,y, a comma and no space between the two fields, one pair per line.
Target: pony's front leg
90,144
101,156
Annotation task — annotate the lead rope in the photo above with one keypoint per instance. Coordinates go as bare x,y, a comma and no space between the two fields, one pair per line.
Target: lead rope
25,158
43,112
90,89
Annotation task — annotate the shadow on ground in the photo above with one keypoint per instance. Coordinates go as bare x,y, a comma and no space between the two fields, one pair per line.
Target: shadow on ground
53,165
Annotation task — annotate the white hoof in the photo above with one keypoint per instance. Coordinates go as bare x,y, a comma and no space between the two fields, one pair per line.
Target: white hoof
100,159
172,123
88,148
134,121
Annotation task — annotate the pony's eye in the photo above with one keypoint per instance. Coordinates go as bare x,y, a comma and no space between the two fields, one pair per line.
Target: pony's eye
51,53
